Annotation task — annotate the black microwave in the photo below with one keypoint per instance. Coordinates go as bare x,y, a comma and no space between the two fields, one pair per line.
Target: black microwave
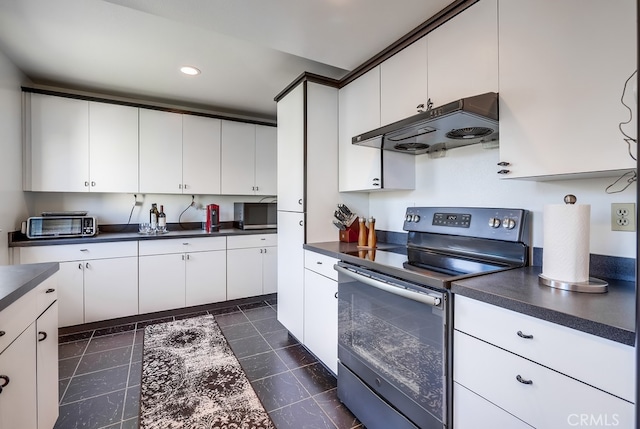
255,215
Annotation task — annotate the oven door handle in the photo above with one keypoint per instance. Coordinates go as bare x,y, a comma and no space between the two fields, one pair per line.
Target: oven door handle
396,290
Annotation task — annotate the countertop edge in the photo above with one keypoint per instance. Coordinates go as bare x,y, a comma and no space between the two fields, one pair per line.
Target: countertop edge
44,271
112,237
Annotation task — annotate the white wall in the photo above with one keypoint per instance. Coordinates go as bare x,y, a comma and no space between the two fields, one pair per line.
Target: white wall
467,177
13,207
116,208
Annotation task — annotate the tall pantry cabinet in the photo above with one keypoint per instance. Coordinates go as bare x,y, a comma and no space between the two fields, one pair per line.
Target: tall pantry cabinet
307,188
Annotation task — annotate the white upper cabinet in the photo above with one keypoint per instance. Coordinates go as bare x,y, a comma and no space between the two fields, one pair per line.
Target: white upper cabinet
266,160
179,153
562,74
291,151
238,158
160,152
113,143
200,155
57,146
403,83
248,159
359,111
462,54
76,145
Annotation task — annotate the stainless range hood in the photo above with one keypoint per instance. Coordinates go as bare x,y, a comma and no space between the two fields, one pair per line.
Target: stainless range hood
460,123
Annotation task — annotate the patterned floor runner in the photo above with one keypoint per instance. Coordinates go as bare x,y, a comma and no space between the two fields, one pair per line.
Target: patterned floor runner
192,380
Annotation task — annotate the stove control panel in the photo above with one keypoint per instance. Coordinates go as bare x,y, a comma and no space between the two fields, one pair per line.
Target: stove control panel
480,222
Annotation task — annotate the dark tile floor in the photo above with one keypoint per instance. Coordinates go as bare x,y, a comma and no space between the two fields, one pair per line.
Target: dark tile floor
100,372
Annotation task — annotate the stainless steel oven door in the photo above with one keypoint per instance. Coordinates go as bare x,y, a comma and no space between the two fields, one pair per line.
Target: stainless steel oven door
392,343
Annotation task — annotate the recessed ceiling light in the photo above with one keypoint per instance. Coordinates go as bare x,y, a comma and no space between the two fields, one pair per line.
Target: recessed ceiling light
191,71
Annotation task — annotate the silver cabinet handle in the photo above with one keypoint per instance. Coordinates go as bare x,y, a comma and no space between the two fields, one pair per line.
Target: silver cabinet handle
44,336
525,336
50,290
186,186
93,183
188,256
79,266
504,164
185,244
300,223
522,380
2,333
183,257
300,201
84,250
86,183
319,262
335,295
87,265
504,171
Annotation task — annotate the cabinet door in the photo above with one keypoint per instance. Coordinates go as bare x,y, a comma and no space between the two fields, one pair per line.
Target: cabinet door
57,155
291,272
270,270
113,143
244,273
451,44
110,288
200,155
321,318
161,282
18,400
266,160
238,158
160,152
359,111
47,367
206,277
560,98
71,293
403,83
291,151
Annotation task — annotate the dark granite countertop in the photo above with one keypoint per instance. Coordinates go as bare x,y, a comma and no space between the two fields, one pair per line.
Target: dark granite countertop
608,315
20,240
17,280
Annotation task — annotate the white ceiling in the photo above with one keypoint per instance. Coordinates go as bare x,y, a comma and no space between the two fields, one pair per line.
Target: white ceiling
248,50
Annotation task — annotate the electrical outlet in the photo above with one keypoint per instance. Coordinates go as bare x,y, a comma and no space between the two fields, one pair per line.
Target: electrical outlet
623,217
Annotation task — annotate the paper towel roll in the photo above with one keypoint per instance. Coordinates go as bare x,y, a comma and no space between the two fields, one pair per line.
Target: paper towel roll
565,255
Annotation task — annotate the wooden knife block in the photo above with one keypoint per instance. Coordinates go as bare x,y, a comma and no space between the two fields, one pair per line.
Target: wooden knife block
350,235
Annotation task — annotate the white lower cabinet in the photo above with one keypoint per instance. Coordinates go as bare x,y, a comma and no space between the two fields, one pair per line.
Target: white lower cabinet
110,288
536,371
18,400
96,281
175,273
47,367
29,363
251,265
321,308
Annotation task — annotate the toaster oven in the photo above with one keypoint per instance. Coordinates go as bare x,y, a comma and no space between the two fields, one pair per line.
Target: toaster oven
61,226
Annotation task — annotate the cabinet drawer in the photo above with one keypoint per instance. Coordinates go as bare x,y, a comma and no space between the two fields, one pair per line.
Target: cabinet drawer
46,294
321,264
181,245
17,317
257,240
471,411
77,252
551,400
563,349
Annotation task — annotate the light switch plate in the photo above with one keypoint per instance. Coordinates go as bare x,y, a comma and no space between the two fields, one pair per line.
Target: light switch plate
623,217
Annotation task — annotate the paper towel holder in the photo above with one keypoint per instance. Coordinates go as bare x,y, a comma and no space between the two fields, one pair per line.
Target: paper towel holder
593,285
